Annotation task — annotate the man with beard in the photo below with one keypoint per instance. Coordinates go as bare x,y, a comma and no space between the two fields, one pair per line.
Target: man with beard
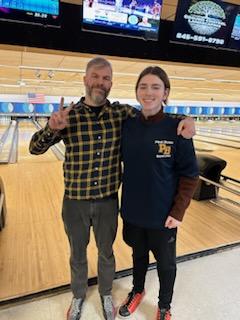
91,131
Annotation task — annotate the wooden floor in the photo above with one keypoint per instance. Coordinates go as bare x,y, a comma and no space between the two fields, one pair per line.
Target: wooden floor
34,253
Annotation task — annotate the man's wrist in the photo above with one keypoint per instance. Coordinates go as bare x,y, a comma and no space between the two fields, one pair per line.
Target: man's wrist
49,130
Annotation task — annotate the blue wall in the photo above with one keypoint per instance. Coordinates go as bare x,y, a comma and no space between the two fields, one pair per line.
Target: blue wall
207,111
15,108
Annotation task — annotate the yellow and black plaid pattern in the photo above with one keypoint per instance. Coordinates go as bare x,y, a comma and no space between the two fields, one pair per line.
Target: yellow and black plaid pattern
92,167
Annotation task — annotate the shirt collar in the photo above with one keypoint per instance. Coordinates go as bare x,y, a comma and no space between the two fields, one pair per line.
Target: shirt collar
87,107
153,119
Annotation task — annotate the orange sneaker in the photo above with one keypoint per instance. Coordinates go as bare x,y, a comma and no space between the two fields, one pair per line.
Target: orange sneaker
163,314
131,303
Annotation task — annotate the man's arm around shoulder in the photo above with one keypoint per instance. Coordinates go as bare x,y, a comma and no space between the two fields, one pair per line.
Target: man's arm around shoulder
186,126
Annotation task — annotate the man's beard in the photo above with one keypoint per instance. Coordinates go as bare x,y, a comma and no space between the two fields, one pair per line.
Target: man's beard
99,98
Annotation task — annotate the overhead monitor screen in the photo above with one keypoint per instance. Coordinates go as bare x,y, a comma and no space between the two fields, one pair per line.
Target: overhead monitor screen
206,23
136,18
36,11
43,6
234,42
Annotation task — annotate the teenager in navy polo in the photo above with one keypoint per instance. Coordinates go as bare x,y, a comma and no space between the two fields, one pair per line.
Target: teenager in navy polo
160,176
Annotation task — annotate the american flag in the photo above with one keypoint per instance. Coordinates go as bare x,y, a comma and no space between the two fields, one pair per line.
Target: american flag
36,98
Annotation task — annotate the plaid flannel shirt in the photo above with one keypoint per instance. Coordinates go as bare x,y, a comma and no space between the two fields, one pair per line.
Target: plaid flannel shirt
92,166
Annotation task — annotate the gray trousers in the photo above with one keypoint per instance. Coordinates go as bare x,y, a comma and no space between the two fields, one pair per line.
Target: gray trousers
78,217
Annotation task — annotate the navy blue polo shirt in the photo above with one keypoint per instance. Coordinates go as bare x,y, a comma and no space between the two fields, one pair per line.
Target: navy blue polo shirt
154,158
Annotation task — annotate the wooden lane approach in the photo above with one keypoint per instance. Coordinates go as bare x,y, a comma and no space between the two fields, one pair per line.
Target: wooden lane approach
34,249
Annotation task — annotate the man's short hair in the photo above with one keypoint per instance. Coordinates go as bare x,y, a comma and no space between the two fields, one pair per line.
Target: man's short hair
99,62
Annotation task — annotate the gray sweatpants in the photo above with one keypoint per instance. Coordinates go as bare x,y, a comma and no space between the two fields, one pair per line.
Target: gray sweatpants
78,217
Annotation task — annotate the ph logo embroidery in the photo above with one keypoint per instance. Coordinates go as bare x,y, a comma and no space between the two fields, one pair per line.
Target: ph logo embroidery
164,148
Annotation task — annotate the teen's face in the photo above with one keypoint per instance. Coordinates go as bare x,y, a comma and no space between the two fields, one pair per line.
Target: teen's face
98,83
151,93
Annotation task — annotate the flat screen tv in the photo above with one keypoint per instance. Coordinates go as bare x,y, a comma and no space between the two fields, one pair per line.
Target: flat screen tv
134,18
204,23
234,42
43,12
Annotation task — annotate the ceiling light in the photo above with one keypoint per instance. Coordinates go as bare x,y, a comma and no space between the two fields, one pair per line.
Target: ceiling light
226,80
207,89
21,83
38,74
187,78
208,94
176,87
50,74
37,68
9,85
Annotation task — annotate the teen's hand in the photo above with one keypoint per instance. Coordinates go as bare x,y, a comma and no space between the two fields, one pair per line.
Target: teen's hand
186,128
59,119
172,223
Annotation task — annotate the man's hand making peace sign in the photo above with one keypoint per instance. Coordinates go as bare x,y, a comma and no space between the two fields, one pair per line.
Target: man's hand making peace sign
59,119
